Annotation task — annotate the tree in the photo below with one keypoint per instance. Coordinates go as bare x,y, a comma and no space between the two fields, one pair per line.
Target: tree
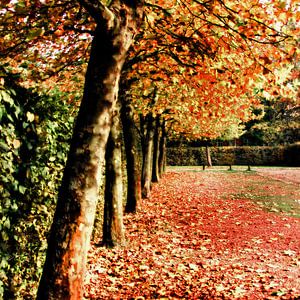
147,124
134,192
278,116
131,141
279,124
156,149
113,228
69,239
218,43
162,149
203,60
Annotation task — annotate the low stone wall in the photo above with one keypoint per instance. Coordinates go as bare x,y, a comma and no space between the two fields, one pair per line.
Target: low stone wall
245,155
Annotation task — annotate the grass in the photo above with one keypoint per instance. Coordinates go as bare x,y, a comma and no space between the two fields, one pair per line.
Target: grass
272,195
273,203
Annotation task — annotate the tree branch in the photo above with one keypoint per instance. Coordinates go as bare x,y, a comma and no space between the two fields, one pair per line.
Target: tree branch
98,11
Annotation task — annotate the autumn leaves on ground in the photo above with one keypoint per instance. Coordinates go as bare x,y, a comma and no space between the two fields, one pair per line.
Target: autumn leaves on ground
206,235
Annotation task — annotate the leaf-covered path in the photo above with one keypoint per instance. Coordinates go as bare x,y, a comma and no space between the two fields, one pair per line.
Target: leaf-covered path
199,237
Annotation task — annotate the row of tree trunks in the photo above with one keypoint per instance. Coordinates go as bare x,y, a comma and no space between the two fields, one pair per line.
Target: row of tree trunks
154,151
68,243
96,138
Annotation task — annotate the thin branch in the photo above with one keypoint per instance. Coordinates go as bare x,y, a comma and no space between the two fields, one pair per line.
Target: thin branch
139,58
166,11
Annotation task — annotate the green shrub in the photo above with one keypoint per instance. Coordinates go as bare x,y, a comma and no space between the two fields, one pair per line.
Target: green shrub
186,156
35,132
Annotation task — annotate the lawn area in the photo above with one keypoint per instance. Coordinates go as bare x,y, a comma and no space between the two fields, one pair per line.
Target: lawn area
212,234
276,189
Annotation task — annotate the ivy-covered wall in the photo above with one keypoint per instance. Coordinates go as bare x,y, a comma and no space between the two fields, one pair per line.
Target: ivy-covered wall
247,155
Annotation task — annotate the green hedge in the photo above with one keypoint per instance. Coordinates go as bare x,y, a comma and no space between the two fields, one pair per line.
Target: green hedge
245,155
34,140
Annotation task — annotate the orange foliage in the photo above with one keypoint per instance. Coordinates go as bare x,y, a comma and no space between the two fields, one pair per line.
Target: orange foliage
209,59
204,57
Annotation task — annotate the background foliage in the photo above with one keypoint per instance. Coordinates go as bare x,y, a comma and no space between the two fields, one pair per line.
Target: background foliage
279,125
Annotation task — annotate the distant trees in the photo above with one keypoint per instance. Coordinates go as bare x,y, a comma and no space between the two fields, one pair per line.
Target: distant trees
280,124
278,117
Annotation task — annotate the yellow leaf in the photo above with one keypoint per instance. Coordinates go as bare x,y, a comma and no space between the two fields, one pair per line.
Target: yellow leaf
30,116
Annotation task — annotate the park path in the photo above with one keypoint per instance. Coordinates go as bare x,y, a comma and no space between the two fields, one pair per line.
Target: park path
195,239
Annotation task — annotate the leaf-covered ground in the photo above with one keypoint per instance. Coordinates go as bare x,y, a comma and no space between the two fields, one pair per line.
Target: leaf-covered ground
205,235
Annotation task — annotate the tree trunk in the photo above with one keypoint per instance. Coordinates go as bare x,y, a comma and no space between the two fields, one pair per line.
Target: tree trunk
147,155
113,228
208,156
162,150
156,143
64,268
134,193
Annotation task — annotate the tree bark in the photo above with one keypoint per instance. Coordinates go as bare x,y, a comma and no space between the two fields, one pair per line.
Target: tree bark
113,228
162,150
208,156
156,149
134,192
147,142
64,268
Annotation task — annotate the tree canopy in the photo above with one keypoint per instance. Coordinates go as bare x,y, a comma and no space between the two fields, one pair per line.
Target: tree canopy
207,55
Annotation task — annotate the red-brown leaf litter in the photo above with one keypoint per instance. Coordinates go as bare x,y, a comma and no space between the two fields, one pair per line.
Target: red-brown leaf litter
194,240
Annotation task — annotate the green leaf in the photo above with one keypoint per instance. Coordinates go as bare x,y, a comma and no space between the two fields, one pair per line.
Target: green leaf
6,97
14,207
4,146
17,111
6,223
22,189
2,112
10,118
